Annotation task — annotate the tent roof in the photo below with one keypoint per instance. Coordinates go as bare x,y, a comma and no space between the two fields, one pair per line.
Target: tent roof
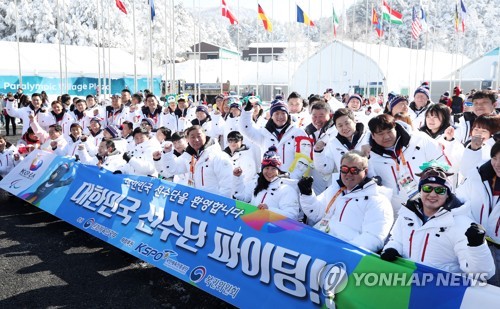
41,59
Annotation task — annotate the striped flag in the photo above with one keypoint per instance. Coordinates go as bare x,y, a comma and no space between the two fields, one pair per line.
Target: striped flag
227,13
335,22
303,18
152,5
457,18
262,16
416,25
391,15
377,23
121,6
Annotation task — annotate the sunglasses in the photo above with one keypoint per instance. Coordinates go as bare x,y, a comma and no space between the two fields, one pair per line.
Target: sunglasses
344,169
438,190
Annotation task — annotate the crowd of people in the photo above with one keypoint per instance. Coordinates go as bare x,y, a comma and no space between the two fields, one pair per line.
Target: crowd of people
404,178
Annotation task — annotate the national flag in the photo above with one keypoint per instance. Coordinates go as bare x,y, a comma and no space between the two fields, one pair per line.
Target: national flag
377,23
152,5
227,13
267,23
463,14
456,17
121,6
416,26
391,15
335,22
423,20
303,18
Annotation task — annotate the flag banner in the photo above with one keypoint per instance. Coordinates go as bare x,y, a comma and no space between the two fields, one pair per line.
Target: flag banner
463,14
245,256
390,15
77,86
335,22
377,23
265,21
303,18
121,6
227,13
152,5
416,26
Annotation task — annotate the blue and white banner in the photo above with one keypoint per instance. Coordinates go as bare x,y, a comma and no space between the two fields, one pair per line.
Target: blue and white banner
245,256
77,86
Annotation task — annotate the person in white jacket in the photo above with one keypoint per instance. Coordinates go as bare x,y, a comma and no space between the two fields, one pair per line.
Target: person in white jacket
278,132
9,157
108,157
209,168
481,190
436,230
354,208
344,136
35,109
396,157
269,191
58,115
180,144
421,102
483,103
139,160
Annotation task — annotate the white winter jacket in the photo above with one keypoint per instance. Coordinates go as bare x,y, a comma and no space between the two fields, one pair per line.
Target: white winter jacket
417,149
141,162
264,138
441,241
485,208
212,170
66,121
279,197
7,162
24,112
362,216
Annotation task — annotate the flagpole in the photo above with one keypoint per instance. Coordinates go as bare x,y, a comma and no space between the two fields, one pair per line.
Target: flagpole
416,82
425,51
257,39
410,64
462,58
498,69
18,46
288,45
58,18
366,50
104,81
65,50
135,47
109,52
344,26
308,45
173,48
173,84
199,51
320,50
150,84
352,51
331,49
238,50
194,49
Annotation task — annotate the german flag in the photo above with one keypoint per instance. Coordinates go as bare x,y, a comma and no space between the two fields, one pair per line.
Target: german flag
267,23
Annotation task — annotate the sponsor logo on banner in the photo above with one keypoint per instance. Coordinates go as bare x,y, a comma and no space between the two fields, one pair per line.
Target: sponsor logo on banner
14,184
101,229
36,164
197,274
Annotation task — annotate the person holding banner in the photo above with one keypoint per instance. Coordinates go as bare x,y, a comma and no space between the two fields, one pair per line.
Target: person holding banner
210,169
436,229
269,190
354,208
9,157
139,159
482,190
108,157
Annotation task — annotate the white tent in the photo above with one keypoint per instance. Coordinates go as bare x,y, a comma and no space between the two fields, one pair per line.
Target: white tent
346,66
39,59
485,67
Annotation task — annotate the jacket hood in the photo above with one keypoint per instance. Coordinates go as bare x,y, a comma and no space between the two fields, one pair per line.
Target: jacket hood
209,143
451,204
402,140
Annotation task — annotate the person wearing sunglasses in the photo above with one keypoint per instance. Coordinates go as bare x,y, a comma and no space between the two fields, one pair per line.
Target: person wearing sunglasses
354,208
435,229
482,190
245,164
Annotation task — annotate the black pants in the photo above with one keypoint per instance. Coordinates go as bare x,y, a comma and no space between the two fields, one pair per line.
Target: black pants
8,121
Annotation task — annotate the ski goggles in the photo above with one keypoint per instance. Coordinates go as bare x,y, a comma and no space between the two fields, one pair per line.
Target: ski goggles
438,190
344,169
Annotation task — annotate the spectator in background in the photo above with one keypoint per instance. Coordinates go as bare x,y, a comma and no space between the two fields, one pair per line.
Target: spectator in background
126,97
457,101
21,98
9,120
445,99
421,102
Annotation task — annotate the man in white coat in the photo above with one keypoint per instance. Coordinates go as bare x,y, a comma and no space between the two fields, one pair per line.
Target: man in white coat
354,208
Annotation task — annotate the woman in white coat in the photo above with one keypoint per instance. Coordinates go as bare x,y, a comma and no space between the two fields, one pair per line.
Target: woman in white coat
354,208
269,191
435,230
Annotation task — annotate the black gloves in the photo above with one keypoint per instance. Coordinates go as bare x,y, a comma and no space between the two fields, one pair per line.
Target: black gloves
305,185
475,235
390,255
127,157
248,106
